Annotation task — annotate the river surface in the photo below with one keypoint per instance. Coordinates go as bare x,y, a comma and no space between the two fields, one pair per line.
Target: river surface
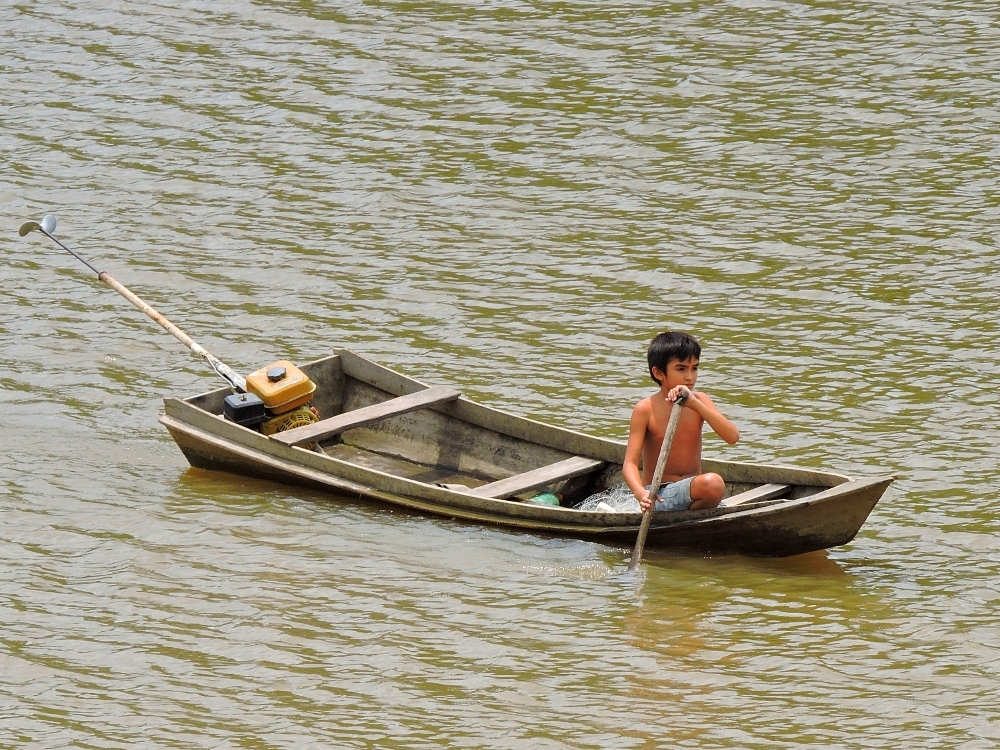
513,198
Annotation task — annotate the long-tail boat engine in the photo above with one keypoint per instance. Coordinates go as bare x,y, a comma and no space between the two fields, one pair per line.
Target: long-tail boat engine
276,399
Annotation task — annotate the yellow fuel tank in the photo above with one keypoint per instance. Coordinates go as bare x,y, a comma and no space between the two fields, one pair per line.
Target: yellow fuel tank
281,386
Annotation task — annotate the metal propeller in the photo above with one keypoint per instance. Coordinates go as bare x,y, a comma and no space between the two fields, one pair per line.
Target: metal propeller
47,225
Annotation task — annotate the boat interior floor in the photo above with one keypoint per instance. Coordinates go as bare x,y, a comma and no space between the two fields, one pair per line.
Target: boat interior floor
400,467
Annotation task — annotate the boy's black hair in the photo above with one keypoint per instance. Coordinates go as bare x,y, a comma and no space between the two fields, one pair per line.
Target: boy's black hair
671,345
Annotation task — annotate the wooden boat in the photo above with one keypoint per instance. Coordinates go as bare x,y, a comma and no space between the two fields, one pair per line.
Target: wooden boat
392,439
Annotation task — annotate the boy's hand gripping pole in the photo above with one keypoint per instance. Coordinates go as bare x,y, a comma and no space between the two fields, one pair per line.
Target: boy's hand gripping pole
661,461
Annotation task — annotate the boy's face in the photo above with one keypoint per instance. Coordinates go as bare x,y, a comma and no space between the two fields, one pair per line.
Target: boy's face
679,372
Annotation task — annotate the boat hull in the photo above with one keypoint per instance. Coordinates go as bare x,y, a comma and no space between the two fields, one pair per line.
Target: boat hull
824,510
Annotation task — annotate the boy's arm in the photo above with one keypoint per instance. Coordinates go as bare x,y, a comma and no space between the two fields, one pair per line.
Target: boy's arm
633,450
707,410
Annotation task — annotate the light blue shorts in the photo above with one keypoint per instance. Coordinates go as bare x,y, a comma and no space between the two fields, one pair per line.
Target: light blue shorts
674,495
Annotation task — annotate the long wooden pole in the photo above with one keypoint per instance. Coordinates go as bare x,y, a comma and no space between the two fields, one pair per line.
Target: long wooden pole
227,373
48,224
661,461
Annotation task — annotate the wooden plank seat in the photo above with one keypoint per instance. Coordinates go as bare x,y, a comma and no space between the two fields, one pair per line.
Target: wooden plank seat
757,494
326,428
536,478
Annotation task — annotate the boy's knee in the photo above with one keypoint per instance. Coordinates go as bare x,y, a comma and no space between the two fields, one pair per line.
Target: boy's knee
708,487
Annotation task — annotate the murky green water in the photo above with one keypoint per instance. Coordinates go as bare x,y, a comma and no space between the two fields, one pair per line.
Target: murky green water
512,197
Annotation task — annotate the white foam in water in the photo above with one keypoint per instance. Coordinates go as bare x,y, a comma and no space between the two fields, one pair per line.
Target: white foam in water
617,499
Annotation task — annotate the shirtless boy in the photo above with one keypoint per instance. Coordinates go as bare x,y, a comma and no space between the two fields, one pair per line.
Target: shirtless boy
673,364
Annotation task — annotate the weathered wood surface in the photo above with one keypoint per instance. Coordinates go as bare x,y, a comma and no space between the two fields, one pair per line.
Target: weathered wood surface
757,494
570,442
326,428
434,437
541,477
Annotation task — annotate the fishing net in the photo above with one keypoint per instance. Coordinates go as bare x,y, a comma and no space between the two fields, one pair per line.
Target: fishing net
618,499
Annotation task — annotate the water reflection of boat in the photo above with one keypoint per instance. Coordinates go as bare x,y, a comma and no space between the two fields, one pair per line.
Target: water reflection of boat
392,439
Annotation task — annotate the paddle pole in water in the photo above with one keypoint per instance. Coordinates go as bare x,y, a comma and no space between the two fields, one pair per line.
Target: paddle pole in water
661,461
47,226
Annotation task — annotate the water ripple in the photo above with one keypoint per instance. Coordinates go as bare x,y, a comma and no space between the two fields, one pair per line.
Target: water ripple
511,197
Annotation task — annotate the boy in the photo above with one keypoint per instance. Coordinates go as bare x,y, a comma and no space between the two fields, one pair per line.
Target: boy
673,364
